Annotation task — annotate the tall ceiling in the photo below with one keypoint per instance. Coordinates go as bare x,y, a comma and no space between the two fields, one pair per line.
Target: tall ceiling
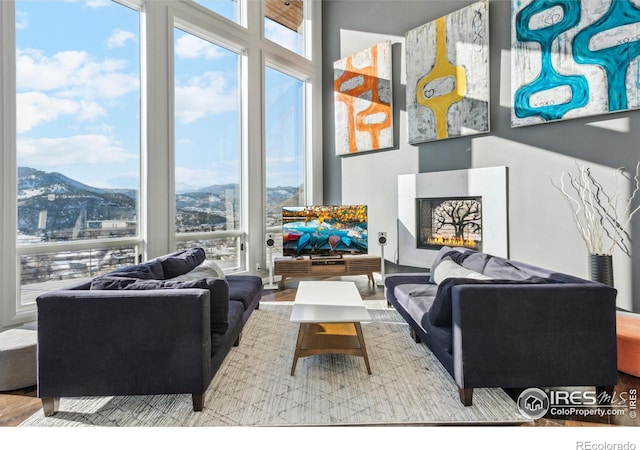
287,13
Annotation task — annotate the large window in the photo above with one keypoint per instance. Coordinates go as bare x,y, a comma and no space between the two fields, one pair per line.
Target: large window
78,139
117,146
208,149
284,147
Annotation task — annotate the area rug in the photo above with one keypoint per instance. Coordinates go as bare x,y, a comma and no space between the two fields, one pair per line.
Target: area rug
254,387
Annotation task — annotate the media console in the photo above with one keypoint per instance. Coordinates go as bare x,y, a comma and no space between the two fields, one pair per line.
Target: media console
289,267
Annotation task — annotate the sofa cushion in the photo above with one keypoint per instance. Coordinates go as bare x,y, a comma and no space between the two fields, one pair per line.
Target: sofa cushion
208,269
441,315
450,269
404,292
245,289
182,262
151,270
218,293
418,307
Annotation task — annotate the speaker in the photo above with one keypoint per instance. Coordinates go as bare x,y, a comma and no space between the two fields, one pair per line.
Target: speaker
268,239
382,238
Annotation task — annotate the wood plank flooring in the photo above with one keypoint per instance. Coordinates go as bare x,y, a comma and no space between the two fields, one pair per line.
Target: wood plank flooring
17,406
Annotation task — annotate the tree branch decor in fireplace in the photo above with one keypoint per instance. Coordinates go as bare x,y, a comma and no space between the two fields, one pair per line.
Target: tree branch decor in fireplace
454,222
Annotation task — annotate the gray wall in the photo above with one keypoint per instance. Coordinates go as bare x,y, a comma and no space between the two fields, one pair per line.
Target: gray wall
541,230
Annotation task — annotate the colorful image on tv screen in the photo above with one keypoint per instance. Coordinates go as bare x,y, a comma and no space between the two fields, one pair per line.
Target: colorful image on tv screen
324,230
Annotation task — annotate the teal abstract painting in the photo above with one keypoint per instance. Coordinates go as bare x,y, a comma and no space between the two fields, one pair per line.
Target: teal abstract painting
573,58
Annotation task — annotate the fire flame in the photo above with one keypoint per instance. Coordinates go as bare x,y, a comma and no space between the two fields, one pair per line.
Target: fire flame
452,242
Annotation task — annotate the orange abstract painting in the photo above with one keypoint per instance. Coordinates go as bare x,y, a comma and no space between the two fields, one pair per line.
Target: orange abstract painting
363,105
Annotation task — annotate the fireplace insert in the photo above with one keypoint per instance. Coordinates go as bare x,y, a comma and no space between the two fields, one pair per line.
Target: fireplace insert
450,221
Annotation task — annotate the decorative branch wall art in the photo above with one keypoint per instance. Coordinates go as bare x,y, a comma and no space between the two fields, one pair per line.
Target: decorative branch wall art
448,76
573,58
363,100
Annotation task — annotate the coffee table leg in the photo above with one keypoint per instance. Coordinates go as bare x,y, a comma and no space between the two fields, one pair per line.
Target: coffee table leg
301,332
363,348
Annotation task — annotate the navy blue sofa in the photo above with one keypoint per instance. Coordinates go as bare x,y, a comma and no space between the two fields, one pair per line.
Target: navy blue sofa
140,330
524,327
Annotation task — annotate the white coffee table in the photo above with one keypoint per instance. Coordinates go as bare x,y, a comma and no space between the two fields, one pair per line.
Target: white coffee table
329,314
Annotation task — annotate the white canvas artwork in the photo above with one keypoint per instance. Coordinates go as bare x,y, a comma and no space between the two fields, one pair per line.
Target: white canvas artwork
448,76
573,58
363,101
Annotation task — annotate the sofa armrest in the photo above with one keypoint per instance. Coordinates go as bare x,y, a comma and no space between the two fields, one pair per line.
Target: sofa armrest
123,342
534,335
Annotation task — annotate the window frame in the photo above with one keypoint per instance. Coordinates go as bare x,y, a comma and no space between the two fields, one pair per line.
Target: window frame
204,31
306,139
156,191
19,311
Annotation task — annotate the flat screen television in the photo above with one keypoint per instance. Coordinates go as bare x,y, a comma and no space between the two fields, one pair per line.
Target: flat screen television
324,230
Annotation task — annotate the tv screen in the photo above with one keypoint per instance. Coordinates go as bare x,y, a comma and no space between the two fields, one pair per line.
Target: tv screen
324,230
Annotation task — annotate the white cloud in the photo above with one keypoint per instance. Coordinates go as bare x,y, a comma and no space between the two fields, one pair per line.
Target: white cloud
92,3
22,20
35,71
119,38
35,108
192,47
98,3
90,111
74,150
204,95
73,73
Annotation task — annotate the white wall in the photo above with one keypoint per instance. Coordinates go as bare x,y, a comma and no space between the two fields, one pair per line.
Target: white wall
541,230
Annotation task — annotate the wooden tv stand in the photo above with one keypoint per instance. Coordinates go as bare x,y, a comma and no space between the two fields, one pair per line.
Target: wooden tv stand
289,267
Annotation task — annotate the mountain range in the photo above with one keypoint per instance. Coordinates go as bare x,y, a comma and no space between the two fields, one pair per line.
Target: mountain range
54,203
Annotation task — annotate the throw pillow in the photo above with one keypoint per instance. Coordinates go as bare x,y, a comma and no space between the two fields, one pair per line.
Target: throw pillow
208,269
450,269
458,254
151,270
183,262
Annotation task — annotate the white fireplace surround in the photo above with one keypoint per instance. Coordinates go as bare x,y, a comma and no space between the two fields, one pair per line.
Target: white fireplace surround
490,183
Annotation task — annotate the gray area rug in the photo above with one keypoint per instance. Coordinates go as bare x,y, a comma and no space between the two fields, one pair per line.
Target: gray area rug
254,386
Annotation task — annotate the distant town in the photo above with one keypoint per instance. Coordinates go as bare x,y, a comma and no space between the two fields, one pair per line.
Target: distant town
55,208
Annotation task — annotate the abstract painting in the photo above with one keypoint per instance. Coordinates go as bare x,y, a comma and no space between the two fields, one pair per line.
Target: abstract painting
448,76
573,58
363,100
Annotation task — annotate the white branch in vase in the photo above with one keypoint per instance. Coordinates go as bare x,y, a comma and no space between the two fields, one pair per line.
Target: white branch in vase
596,213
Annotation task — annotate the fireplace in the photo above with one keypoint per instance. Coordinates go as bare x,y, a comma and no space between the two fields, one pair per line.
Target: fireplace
449,221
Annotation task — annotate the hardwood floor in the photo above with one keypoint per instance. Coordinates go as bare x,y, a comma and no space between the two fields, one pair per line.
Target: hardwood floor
17,406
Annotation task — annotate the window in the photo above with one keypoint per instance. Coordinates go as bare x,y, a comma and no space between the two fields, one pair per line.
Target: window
109,158
208,149
78,139
284,24
285,147
229,9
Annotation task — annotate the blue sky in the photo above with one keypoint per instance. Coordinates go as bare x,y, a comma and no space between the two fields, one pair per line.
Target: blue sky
79,90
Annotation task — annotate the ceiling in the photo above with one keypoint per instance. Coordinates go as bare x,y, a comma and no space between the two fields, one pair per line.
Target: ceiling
285,12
